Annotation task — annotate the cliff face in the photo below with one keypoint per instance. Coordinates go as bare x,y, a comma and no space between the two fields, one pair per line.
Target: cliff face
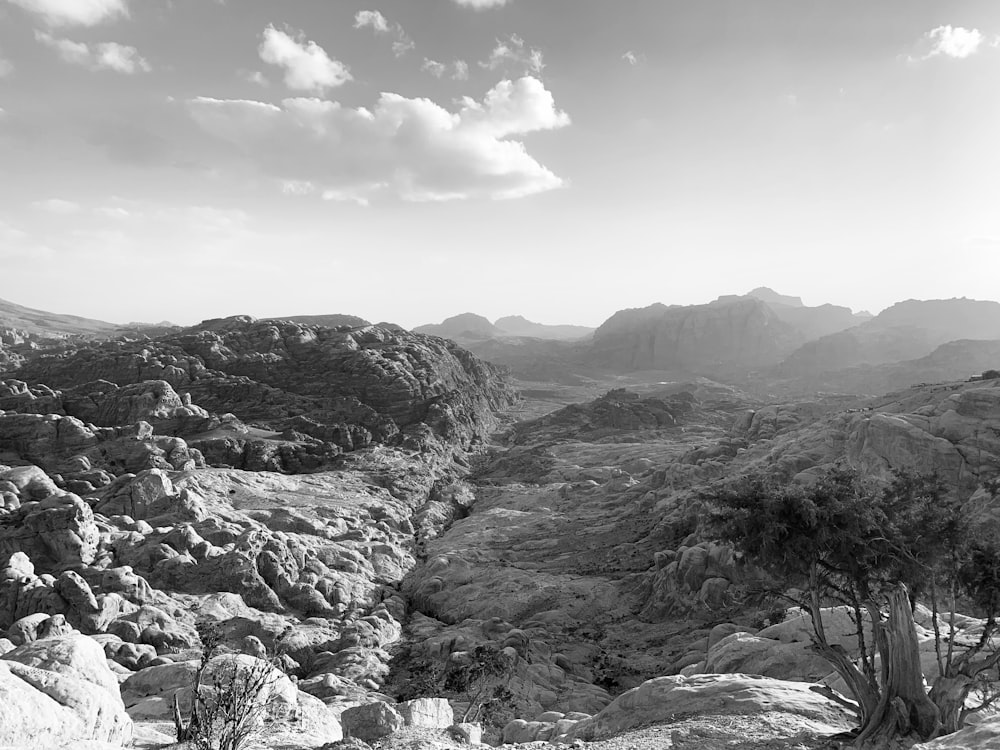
731,333
381,381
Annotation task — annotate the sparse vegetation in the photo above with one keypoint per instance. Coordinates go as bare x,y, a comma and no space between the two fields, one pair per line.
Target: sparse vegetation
848,540
479,678
230,712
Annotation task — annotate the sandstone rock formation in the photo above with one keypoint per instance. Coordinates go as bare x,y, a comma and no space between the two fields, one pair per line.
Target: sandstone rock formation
665,698
57,691
358,387
325,499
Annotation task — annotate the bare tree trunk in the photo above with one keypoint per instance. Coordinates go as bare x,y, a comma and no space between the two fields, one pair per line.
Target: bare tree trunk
904,708
949,694
864,692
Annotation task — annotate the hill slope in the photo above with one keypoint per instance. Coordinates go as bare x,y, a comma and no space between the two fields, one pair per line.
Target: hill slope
49,324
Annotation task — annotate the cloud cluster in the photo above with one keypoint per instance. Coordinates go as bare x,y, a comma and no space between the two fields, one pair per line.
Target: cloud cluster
6,67
307,66
482,4
380,25
950,41
104,56
57,206
412,148
513,52
372,18
459,69
75,12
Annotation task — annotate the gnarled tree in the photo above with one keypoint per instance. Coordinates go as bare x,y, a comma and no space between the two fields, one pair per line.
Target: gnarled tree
847,540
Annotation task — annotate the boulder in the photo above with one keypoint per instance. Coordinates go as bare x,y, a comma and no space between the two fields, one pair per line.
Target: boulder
661,699
984,736
60,529
60,692
752,654
432,713
371,722
469,734
31,482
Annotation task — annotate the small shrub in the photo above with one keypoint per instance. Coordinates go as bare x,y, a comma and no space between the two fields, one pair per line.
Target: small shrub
231,711
482,682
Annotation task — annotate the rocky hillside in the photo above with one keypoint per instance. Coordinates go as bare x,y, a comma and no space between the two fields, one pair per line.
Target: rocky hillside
352,388
135,502
48,325
335,320
338,503
906,331
956,360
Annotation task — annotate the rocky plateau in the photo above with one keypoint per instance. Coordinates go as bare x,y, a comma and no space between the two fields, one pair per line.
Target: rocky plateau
350,505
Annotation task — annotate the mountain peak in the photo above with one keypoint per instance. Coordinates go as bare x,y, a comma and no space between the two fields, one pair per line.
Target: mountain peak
771,297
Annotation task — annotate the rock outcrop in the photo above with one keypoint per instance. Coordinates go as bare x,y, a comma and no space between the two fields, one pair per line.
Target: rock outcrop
666,698
57,691
359,387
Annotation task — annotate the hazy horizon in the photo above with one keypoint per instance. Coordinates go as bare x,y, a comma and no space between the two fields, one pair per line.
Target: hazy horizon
493,318
410,161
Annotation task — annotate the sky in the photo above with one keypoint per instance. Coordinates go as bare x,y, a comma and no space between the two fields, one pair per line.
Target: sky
409,160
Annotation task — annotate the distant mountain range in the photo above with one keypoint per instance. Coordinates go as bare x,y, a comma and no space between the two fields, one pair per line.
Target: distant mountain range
761,339
476,327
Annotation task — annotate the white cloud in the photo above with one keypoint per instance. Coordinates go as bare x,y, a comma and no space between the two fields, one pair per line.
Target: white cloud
514,52
371,18
296,187
113,212
307,65
76,53
75,12
435,68
120,57
950,41
631,58
6,68
103,56
255,76
482,4
413,148
57,206
403,45
459,69
380,25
